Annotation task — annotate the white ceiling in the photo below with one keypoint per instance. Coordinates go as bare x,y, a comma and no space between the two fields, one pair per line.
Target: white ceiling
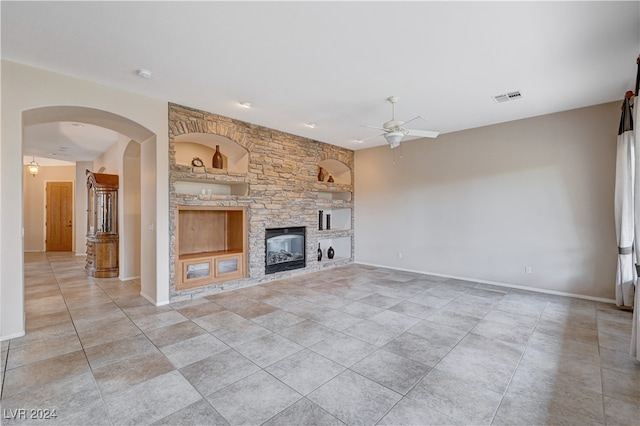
335,63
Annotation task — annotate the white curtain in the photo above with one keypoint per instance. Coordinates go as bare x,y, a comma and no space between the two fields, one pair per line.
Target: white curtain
625,207
635,341
627,215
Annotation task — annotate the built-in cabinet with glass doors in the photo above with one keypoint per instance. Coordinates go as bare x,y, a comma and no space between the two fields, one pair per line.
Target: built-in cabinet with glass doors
102,225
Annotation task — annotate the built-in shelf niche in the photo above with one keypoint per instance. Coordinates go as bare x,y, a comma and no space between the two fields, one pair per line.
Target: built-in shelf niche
340,219
211,245
341,247
235,159
334,195
202,187
340,172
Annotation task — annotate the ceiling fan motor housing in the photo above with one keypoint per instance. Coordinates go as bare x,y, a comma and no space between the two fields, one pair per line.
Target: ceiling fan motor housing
393,125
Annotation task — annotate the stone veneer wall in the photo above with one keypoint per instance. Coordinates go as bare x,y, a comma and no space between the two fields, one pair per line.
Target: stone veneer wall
283,190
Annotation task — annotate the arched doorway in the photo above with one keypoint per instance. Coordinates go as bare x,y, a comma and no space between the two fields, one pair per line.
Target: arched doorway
137,195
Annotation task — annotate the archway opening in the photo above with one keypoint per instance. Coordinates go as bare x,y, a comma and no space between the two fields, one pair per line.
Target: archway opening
137,199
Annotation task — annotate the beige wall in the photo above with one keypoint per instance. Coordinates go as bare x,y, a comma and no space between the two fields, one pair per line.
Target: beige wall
34,203
130,231
81,207
26,88
483,204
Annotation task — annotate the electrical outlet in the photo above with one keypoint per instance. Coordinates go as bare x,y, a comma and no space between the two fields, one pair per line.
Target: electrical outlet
399,255
527,269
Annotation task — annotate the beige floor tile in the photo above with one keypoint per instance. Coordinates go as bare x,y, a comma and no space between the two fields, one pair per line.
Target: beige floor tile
108,332
393,371
488,354
354,399
45,334
73,400
194,349
120,375
622,385
159,320
200,309
447,394
35,322
218,371
198,413
411,412
151,400
35,375
45,349
164,336
253,400
118,350
304,412
620,412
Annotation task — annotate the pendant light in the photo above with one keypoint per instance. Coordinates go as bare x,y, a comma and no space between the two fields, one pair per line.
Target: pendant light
33,167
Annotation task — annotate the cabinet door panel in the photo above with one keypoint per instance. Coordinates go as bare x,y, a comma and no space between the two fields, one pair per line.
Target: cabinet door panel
229,266
196,270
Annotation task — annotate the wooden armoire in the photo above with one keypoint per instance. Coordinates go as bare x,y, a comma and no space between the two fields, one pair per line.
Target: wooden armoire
102,225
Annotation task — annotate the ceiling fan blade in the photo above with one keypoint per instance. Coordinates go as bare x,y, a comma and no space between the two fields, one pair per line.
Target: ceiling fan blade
414,118
422,133
377,128
370,137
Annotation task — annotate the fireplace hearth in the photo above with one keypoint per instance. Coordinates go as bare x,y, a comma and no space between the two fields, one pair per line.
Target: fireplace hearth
285,249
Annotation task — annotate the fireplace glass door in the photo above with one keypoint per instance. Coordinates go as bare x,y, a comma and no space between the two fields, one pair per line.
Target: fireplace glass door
285,249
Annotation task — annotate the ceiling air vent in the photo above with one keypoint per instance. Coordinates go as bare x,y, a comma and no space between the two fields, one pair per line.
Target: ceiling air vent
506,97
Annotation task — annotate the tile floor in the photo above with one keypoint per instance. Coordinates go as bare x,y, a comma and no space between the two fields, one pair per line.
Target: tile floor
354,345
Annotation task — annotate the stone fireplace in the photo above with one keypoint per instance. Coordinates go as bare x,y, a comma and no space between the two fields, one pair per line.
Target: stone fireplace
271,176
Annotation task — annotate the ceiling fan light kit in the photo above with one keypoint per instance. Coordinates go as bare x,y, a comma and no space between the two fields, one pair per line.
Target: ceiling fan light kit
393,130
394,138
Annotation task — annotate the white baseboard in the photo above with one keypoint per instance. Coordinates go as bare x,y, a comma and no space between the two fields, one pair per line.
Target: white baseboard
12,336
128,278
153,301
519,287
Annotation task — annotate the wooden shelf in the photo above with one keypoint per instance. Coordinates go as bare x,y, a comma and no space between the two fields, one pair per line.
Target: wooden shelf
211,245
192,256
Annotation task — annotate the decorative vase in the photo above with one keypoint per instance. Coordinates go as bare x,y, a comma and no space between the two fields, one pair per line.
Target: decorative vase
320,220
320,175
319,253
328,221
330,179
330,253
217,159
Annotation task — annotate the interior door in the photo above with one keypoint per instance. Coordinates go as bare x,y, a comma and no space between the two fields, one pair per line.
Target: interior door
59,216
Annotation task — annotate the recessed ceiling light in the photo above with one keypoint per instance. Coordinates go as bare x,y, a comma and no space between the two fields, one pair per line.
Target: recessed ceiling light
246,104
143,73
359,141
311,125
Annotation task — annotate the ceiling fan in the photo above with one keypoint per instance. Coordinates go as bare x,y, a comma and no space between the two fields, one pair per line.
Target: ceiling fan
394,131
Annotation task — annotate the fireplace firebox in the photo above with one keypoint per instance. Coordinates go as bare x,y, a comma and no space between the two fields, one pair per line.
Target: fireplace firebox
285,249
